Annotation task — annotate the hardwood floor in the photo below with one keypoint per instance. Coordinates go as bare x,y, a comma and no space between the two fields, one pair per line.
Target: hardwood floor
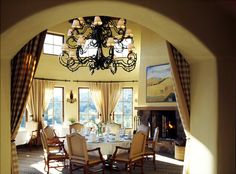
31,162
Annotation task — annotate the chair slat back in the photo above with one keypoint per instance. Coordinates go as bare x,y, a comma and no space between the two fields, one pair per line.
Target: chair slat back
77,146
113,127
49,132
76,126
138,144
44,142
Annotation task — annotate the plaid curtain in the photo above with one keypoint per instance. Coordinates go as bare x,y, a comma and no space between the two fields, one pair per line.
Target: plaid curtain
184,74
23,67
181,77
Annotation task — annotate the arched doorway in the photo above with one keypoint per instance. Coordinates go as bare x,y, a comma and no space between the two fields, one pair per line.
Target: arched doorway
186,42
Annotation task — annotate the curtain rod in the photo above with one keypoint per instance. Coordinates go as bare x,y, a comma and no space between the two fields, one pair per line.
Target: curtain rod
99,81
38,78
62,80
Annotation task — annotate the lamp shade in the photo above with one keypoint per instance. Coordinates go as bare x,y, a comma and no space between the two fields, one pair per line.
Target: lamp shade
81,41
121,23
97,20
76,24
129,33
110,42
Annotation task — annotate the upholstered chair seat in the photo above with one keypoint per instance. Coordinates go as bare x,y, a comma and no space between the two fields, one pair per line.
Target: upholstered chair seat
80,156
133,155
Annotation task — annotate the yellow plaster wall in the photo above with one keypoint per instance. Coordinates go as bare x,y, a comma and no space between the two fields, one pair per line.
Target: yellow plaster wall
203,117
5,137
153,52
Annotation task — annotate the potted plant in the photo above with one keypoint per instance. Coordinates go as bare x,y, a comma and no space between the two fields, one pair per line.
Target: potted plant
72,120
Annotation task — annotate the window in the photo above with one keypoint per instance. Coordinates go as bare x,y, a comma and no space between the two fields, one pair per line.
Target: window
53,43
118,47
23,121
91,50
55,111
87,109
124,109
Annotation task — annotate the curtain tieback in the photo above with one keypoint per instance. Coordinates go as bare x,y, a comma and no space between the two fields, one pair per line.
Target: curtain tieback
12,141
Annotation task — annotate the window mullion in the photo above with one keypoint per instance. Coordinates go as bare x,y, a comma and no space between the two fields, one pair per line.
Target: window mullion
53,103
123,118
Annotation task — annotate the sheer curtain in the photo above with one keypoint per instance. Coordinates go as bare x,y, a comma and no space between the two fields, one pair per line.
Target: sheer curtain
48,93
114,95
40,95
99,96
23,67
105,97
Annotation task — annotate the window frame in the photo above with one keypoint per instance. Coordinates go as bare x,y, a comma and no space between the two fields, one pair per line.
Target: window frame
63,104
54,34
132,121
79,102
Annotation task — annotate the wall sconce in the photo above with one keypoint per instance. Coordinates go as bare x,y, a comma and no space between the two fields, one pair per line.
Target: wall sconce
71,99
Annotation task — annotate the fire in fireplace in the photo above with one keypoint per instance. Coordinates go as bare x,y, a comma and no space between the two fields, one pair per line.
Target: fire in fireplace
168,121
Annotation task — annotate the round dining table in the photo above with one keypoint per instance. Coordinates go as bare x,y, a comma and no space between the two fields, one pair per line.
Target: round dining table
108,147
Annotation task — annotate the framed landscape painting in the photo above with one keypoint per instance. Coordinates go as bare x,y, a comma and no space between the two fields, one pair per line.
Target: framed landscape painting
159,85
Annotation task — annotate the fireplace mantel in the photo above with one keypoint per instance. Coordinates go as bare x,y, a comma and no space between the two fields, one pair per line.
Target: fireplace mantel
156,108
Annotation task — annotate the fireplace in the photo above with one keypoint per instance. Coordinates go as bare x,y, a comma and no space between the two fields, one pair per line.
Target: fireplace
166,121
166,118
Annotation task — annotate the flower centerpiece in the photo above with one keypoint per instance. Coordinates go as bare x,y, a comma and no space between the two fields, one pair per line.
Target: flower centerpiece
96,126
99,127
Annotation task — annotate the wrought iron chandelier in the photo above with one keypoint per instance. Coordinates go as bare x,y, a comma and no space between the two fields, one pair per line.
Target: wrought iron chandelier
99,42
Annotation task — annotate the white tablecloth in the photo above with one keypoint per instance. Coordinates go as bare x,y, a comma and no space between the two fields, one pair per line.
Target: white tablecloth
22,137
61,130
108,148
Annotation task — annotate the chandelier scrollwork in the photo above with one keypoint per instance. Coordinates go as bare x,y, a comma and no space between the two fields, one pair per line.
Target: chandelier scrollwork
99,43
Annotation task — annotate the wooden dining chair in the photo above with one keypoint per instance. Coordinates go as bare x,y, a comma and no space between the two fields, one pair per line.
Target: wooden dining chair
132,155
114,128
52,155
144,129
76,126
52,139
151,147
80,156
